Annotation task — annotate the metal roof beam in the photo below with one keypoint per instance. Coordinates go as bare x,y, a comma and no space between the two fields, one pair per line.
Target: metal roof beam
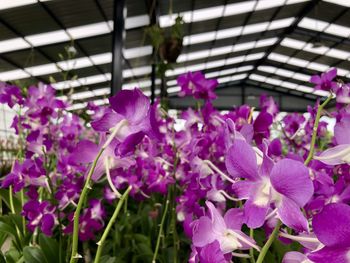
308,7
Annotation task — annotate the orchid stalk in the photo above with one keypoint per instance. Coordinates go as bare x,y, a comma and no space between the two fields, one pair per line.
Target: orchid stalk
269,243
160,231
75,256
314,132
110,224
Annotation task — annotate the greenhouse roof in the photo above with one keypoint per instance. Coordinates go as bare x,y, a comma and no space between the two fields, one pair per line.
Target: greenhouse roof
252,47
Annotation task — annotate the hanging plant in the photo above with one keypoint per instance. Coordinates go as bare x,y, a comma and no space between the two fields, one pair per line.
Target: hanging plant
168,43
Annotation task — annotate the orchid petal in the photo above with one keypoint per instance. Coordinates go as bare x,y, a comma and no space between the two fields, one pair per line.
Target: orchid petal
291,178
241,161
331,225
290,214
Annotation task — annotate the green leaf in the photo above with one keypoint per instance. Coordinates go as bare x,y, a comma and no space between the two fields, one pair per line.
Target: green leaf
4,194
50,248
12,256
2,258
108,259
34,255
8,229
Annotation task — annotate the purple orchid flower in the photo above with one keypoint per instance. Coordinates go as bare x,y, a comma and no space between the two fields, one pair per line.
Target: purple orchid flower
339,154
268,104
195,84
128,119
284,186
10,95
225,230
325,81
331,227
40,214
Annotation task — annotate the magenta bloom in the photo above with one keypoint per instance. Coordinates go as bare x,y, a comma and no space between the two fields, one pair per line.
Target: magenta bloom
225,230
339,154
129,117
325,81
10,95
284,187
195,84
332,228
40,214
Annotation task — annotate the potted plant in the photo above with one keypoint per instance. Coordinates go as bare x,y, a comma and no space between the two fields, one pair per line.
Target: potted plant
168,43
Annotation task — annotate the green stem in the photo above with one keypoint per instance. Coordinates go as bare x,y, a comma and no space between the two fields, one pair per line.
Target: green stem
268,243
251,250
110,224
23,218
75,256
160,231
12,207
314,132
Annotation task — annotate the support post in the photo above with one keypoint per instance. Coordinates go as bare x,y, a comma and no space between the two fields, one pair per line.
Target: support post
117,45
153,10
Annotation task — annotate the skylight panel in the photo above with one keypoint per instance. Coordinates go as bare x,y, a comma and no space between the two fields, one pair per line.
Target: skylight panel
13,75
272,81
292,43
228,71
298,62
103,58
89,30
284,73
313,24
13,44
305,89
136,21
77,106
305,64
281,23
255,28
254,56
137,52
278,57
224,50
232,78
173,89
137,71
214,64
301,77
345,3
48,38
90,94
290,85
140,84
193,55
338,30
92,79
42,69
318,67
268,69
322,93
337,53
257,77
199,38
7,4
266,42
235,31
224,11
74,63
331,52
171,82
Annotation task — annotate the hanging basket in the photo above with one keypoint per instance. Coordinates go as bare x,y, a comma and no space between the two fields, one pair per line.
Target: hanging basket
170,49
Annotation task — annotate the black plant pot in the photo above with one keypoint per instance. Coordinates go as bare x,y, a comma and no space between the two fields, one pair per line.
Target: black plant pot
170,50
